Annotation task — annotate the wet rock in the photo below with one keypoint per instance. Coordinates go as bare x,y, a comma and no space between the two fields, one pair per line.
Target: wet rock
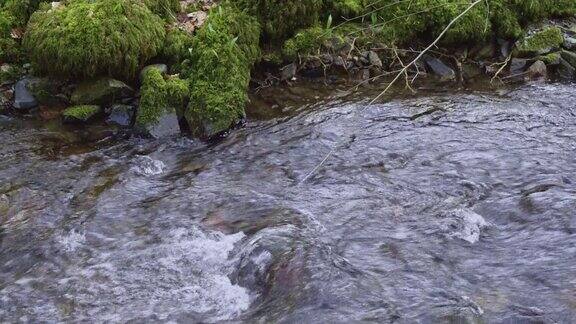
288,72
81,114
48,92
167,125
23,98
120,115
471,71
163,68
565,70
537,70
374,59
569,57
440,69
517,65
505,47
100,92
569,43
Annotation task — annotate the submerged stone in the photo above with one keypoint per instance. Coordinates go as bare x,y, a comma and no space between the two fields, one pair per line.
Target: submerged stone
80,114
166,125
23,98
102,91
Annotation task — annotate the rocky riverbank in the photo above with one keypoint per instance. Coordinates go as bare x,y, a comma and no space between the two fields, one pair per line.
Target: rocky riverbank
165,67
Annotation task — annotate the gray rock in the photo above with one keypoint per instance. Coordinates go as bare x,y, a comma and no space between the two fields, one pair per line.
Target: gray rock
102,91
167,125
120,115
517,65
374,59
537,70
569,43
163,68
48,92
23,98
505,47
440,69
565,70
569,57
288,72
471,71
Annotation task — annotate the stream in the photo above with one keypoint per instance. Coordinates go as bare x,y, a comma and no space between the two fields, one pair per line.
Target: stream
446,207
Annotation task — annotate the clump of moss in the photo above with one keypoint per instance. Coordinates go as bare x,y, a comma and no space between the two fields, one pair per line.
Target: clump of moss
346,8
280,19
160,96
80,113
222,54
87,39
306,42
541,42
9,47
21,10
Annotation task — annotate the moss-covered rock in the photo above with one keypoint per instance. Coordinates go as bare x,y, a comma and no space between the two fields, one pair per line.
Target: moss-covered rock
160,96
81,114
542,42
280,19
222,55
100,38
176,48
100,91
305,42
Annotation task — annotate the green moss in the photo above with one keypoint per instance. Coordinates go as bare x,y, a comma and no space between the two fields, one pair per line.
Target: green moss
306,42
281,19
176,48
9,47
80,113
552,58
21,10
87,39
221,56
541,42
160,96
347,8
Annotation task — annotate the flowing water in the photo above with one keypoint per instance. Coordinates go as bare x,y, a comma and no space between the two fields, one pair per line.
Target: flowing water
441,208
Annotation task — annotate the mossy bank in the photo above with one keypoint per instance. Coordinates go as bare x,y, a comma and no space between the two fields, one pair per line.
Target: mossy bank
208,51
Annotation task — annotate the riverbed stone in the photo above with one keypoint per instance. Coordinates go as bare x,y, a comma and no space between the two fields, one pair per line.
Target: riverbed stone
102,91
288,72
120,115
374,59
569,43
440,69
23,97
167,125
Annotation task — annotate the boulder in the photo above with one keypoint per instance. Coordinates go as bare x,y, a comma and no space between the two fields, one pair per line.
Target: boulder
101,91
120,115
440,69
23,98
569,43
81,114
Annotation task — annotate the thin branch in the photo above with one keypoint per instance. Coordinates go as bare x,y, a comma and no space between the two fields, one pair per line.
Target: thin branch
402,71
